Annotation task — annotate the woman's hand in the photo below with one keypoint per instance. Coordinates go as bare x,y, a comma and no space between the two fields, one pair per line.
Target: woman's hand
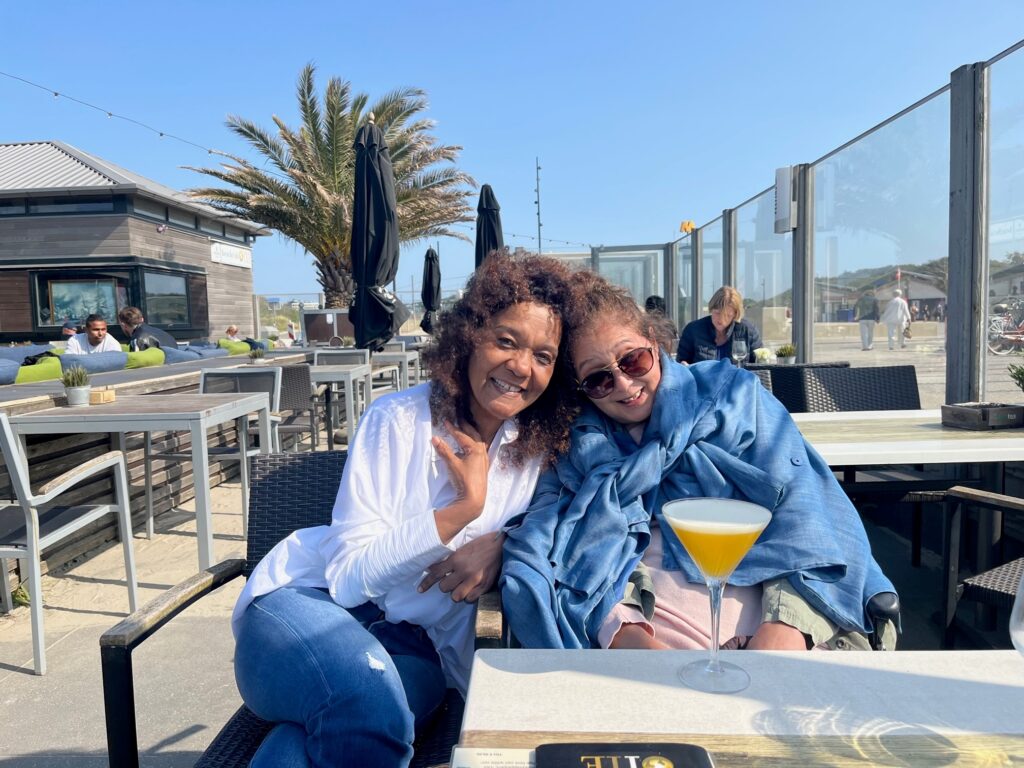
777,636
467,471
469,571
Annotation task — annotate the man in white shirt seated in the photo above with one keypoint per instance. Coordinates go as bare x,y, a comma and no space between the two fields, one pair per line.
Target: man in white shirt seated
95,338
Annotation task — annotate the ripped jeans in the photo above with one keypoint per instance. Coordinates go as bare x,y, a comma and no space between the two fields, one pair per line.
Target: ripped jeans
345,686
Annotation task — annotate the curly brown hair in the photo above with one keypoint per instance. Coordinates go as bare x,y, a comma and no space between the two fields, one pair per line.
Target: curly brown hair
500,282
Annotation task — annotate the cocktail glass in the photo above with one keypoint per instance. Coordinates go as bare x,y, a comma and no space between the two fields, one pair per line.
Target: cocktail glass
717,534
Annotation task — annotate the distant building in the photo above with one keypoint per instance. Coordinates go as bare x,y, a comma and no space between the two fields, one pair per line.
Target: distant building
80,235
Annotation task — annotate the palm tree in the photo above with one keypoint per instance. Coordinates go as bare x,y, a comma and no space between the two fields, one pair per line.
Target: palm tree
305,188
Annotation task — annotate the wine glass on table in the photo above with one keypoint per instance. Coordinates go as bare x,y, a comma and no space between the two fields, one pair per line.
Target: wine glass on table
739,352
717,534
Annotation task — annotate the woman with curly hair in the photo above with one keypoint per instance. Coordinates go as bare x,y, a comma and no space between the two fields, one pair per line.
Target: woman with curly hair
347,635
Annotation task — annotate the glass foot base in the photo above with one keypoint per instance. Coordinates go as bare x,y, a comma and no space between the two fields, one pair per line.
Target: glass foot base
726,678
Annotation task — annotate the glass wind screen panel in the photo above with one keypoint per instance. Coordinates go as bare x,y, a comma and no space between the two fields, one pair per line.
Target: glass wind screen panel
166,299
684,281
711,263
881,222
764,270
639,271
1006,226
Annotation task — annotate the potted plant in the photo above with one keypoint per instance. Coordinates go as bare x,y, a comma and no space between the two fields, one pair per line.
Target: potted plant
76,386
786,353
256,356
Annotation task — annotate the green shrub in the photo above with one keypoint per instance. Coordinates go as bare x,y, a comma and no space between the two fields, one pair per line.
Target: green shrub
256,353
75,376
1017,374
786,350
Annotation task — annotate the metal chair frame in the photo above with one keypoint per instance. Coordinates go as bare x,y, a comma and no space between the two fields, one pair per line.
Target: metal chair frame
29,524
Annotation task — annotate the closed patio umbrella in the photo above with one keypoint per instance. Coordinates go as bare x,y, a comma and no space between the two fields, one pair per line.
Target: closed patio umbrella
488,224
431,291
376,313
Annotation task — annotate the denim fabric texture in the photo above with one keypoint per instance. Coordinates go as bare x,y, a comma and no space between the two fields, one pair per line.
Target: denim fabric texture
347,687
714,432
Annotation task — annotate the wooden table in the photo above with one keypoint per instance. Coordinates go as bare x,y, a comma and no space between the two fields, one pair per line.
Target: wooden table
345,375
193,413
839,708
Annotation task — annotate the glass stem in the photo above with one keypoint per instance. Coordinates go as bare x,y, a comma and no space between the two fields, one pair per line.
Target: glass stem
715,587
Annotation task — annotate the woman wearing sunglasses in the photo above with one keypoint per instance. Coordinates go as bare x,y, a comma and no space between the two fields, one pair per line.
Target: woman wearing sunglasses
347,635
587,565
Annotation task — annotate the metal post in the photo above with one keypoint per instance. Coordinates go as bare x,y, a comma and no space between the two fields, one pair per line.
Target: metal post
803,264
671,282
119,707
967,282
697,297
729,247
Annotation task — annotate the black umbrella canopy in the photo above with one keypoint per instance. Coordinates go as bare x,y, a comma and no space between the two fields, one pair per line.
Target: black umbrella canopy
431,291
488,224
376,313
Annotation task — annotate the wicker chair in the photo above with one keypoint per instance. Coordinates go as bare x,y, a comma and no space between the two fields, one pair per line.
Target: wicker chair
289,491
298,406
995,587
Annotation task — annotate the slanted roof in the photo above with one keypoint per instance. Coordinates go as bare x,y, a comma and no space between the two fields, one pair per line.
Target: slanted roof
53,167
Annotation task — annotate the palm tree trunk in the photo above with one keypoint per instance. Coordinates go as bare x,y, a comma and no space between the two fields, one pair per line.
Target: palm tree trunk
337,284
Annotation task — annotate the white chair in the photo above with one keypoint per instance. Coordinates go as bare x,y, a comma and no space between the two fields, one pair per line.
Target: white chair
28,525
264,378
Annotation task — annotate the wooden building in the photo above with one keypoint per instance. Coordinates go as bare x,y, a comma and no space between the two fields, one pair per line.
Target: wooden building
81,235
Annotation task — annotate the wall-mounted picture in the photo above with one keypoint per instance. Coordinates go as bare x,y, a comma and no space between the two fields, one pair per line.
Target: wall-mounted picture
77,299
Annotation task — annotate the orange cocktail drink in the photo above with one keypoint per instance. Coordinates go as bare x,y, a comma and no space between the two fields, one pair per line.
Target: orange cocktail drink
717,534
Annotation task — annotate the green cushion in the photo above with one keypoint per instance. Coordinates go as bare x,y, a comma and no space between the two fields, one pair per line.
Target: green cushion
145,358
46,369
125,348
234,347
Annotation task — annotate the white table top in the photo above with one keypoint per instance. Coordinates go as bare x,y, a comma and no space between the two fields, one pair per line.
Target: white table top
328,373
142,412
519,698
904,437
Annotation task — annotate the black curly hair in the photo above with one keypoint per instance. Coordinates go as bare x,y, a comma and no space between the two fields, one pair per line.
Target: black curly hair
500,282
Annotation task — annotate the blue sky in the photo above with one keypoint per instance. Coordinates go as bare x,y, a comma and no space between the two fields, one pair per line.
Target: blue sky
643,114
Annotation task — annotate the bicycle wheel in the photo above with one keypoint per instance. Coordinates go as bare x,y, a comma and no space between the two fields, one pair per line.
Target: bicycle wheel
999,346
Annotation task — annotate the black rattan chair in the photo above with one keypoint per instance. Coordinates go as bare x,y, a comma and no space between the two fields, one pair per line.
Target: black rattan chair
289,491
298,406
996,587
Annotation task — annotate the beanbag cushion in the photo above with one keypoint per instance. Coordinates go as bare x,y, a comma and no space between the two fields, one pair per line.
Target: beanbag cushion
145,358
126,348
234,347
179,355
17,354
46,369
96,363
208,351
8,371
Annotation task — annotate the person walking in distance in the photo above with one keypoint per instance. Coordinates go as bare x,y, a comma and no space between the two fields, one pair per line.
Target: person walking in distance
896,318
866,312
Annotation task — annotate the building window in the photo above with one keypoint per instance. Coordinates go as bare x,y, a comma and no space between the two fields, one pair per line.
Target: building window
12,207
181,218
71,205
233,233
66,296
149,208
166,299
211,227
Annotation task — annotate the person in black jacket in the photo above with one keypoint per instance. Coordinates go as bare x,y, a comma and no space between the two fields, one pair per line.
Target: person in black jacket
715,336
140,335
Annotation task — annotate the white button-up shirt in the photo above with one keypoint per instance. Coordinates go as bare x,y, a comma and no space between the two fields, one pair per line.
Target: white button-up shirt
383,535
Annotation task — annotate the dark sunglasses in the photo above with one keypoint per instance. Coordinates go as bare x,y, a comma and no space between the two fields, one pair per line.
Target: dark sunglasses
635,363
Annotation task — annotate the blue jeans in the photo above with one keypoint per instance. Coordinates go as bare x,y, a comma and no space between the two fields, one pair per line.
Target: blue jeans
345,686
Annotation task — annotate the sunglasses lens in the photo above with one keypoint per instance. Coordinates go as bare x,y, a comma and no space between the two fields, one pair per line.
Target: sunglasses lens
598,384
636,363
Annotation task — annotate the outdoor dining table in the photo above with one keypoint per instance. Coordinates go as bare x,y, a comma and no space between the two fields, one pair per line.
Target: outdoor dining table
404,360
866,438
345,375
194,413
907,708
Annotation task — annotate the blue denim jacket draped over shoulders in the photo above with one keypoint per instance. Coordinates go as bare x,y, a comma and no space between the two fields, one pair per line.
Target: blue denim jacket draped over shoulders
714,431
